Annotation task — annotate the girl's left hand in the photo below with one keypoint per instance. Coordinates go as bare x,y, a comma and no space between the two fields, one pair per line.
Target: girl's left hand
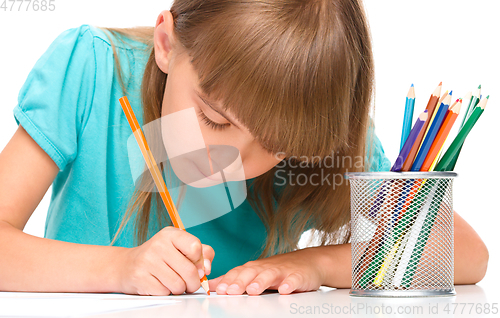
295,271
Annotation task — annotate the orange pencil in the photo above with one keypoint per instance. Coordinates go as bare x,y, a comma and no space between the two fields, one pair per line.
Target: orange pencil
155,173
443,132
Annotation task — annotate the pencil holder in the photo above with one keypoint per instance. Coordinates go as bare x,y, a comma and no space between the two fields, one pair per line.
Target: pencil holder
402,234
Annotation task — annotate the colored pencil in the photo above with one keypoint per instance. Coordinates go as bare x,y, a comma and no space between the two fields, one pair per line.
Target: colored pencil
472,103
405,218
395,260
432,117
425,219
452,151
440,152
389,275
408,116
403,154
399,208
382,194
368,265
423,117
431,105
418,237
386,186
402,225
385,265
433,130
155,173
441,136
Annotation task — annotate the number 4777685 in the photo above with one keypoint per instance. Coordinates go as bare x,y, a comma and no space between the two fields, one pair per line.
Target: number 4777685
28,5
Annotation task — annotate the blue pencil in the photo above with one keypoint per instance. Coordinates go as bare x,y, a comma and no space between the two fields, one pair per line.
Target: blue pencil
431,134
408,117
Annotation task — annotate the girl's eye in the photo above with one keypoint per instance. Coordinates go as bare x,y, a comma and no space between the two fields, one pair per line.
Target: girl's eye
212,124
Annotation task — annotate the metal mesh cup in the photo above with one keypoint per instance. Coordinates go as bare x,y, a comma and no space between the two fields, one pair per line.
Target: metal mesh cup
402,234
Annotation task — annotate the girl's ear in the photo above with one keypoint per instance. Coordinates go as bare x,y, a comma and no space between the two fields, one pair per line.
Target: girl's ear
164,41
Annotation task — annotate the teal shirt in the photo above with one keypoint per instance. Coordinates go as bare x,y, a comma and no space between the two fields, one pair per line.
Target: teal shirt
69,106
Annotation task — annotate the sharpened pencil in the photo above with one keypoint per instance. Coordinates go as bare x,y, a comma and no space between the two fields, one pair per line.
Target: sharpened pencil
443,132
473,100
431,105
155,173
408,116
431,134
403,154
453,150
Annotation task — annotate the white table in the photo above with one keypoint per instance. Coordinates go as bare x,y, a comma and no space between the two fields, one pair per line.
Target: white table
326,302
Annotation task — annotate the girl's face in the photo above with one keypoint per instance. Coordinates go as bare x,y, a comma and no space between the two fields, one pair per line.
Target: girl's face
218,127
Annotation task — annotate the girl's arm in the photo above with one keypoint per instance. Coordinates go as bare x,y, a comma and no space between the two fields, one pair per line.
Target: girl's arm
29,263
471,258
170,262
309,268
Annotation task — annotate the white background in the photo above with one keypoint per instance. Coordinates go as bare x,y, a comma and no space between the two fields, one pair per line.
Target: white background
421,42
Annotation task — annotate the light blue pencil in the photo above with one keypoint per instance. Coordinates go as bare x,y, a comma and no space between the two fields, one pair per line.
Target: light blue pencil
408,117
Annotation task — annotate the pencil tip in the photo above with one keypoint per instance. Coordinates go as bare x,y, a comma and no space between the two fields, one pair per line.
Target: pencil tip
450,93
205,286
411,84
440,83
488,97
479,87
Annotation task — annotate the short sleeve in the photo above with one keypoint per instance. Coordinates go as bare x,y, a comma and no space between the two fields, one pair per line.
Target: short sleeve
375,155
55,100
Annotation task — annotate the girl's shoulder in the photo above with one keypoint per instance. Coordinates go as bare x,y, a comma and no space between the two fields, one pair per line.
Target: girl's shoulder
106,38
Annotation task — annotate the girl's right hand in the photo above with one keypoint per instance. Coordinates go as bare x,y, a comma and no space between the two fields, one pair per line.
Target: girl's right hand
172,261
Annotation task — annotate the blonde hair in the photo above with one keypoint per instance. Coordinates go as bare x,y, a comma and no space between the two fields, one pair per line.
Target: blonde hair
299,75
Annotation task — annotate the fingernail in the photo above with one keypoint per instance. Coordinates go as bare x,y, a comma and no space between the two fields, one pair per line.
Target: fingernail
207,264
233,287
201,273
221,288
284,287
253,286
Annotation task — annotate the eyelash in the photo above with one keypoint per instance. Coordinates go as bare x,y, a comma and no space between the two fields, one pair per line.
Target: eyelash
217,126
210,123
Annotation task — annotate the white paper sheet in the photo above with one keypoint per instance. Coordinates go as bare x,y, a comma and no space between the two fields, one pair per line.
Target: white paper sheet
21,304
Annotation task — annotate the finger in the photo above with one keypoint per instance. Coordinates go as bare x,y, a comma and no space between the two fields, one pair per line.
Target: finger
208,256
294,282
153,287
268,278
184,269
212,283
238,284
169,277
226,280
190,246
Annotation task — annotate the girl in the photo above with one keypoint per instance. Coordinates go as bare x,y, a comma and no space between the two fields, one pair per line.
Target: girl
287,83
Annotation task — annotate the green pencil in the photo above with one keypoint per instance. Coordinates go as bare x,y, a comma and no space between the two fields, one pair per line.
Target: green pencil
453,150
472,104
473,101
